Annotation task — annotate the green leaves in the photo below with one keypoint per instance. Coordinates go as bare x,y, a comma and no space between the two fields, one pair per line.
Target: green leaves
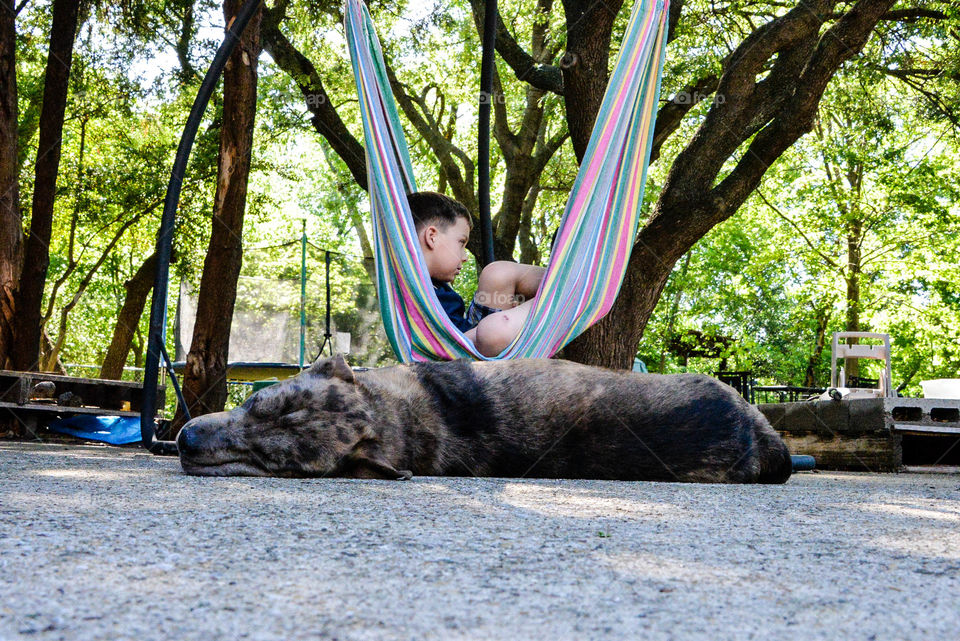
876,173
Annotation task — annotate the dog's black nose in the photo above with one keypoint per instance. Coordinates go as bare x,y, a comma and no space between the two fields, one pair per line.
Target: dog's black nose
188,439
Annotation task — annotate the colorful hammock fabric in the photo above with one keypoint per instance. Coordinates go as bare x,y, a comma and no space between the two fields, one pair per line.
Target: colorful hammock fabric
598,227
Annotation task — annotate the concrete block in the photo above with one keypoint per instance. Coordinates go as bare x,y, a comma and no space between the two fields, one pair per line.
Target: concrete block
774,413
867,415
833,417
800,417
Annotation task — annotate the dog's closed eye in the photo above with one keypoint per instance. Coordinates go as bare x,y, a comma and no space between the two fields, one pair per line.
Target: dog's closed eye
296,417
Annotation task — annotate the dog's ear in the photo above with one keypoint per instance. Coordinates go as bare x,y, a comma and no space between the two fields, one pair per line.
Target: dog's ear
335,366
368,462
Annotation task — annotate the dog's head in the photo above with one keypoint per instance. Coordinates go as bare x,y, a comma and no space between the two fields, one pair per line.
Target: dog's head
314,424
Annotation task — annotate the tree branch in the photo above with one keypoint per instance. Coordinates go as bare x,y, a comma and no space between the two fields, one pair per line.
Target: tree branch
829,261
325,119
423,122
909,78
671,114
912,14
838,44
673,19
526,67
506,139
550,147
88,278
741,112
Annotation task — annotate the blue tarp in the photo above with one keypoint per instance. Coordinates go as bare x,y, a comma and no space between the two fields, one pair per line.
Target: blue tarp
115,430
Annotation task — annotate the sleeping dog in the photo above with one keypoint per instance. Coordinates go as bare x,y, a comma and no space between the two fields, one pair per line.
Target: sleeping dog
541,418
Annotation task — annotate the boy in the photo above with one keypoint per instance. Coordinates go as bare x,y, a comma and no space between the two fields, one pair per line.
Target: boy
505,289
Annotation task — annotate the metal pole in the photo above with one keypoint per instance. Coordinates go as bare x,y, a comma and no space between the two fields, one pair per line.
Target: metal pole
303,291
327,336
486,96
158,305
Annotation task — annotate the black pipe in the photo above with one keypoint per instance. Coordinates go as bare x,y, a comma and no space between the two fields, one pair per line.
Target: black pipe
486,97
326,272
158,306
168,365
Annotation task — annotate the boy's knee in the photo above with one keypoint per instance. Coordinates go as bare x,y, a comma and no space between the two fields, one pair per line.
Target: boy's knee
497,274
493,335
497,284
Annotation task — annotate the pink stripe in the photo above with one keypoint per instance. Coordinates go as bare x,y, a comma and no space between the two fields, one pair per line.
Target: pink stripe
625,237
416,314
604,141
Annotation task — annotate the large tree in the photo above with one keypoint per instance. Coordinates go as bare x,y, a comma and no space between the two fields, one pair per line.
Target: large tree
36,258
796,55
11,234
763,97
205,376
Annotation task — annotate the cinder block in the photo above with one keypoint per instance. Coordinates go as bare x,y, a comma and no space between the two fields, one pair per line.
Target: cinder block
833,416
774,413
867,415
800,417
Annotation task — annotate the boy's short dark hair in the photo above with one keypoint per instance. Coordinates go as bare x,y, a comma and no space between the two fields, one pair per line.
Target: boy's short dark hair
429,207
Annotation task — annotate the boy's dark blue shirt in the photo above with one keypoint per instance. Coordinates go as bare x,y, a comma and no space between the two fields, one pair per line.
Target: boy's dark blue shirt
452,304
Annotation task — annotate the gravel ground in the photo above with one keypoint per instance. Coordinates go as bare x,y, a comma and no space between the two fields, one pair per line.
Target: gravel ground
102,543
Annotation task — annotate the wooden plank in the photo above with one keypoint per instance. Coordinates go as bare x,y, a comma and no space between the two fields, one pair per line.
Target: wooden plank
62,410
23,392
926,429
932,469
44,376
864,453
94,392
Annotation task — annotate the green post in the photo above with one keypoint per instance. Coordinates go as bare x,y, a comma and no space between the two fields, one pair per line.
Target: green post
303,291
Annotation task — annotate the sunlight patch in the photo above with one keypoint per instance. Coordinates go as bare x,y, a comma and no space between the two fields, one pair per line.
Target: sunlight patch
557,501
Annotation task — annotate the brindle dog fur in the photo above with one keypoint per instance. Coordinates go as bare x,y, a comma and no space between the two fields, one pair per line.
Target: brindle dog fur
514,418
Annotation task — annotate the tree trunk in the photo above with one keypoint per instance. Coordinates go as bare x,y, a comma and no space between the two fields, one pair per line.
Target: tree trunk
771,114
584,65
11,224
529,252
820,342
205,383
138,288
37,253
613,341
851,366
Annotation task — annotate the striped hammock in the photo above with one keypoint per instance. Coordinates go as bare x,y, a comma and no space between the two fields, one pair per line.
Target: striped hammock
598,227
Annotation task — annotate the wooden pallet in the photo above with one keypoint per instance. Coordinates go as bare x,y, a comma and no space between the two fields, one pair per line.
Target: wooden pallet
22,412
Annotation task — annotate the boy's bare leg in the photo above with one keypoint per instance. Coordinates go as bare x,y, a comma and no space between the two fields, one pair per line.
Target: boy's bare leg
528,280
504,284
496,331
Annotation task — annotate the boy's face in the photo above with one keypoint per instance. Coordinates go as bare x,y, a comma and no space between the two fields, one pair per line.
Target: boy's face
445,250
